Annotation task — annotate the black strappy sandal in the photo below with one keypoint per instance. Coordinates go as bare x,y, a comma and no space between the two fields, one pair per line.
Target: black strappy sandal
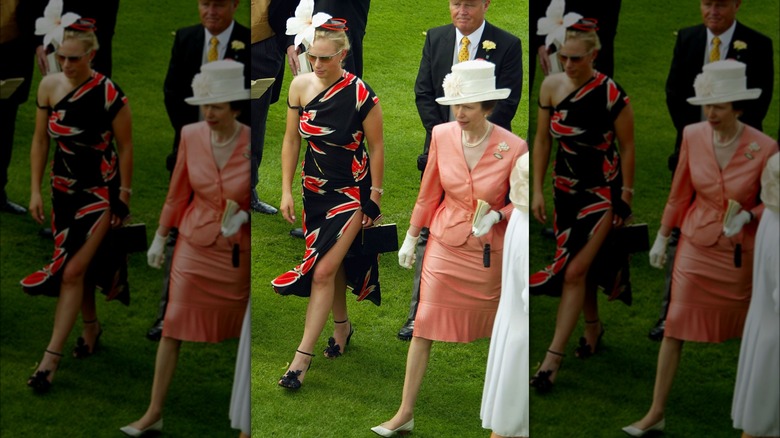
39,381
541,380
333,350
585,350
82,349
290,379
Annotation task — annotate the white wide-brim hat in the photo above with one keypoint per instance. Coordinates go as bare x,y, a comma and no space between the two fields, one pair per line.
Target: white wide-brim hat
721,82
470,82
218,82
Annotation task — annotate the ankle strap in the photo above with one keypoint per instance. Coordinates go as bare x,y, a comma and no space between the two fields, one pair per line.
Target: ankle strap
592,322
303,352
90,322
53,352
340,322
556,353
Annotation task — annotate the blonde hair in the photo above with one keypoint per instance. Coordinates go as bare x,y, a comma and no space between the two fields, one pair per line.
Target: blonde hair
590,38
339,38
87,38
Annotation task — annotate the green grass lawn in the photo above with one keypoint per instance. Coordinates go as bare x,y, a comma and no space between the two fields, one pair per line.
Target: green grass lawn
96,396
347,396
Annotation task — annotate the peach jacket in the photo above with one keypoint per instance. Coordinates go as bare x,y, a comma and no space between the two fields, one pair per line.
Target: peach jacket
449,218
196,174
698,173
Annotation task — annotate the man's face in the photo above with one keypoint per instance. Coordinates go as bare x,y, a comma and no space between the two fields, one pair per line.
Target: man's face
468,15
719,15
216,15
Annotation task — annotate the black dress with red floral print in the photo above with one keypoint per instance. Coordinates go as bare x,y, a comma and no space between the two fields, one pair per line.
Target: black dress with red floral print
586,179
336,182
84,181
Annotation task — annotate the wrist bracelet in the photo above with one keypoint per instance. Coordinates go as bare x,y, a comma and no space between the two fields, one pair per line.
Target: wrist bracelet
379,190
627,189
125,189
500,215
752,216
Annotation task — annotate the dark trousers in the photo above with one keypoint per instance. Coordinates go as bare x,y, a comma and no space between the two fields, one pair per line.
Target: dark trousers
266,63
7,126
420,253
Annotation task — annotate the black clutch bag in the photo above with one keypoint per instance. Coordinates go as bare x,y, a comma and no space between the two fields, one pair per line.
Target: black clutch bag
129,238
631,238
379,239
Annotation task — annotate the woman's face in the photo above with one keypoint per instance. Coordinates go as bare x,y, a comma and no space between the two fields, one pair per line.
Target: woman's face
219,116
576,59
721,116
325,58
74,58
470,116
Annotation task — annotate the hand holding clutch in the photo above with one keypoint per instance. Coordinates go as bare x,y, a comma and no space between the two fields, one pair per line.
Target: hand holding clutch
234,222
155,256
734,225
406,255
658,251
486,223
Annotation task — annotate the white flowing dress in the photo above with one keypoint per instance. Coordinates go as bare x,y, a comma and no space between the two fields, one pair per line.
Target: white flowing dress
240,417
505,395
756,401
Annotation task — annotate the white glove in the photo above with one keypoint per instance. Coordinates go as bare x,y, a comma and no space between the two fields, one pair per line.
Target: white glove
735,224
658,251
155,256
406,255
234,223
486,223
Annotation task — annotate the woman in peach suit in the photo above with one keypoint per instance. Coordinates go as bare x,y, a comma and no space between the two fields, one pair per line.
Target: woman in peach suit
721,160
209,284
470,159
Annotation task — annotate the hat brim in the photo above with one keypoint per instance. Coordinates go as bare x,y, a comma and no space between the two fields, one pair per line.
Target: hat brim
749,94
501,93
259,87
221,98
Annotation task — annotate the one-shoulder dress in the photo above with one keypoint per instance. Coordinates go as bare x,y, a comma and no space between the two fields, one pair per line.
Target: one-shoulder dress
586,180
84,182
336,181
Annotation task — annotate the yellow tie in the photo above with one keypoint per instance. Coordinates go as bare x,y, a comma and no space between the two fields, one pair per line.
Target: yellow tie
715,52
213,54
463,53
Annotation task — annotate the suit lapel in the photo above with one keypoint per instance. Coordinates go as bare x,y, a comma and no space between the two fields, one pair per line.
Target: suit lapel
487,35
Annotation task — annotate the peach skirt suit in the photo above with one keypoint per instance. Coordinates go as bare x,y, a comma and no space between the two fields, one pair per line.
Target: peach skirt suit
710,295
208,294
458,294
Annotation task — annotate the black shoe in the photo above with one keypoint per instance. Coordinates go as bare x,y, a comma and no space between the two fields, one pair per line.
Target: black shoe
548,233
155,331
297,232
262,207
46,233
405,334
13,208
657,332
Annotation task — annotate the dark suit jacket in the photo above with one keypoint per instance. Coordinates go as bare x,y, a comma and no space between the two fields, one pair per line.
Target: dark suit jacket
186,57
605,11
688,61
436,62
18,54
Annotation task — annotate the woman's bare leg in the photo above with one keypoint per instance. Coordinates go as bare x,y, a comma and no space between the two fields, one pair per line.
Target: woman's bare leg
668,362
416,364
164,367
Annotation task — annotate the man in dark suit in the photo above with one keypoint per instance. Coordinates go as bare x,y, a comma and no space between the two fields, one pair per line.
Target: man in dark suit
696,46
16,51
443,48
217,37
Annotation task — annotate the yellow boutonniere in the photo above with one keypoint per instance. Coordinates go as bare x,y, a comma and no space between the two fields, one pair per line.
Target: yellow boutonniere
740,45
488,45
237,45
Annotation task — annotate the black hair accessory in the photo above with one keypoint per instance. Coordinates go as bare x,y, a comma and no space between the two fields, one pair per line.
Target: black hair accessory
84,25
585,25
336,25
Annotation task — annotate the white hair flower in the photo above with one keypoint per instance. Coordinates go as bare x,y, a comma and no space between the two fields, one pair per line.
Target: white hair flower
452,85
201,86
703,85
52,25
302,25
555,23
